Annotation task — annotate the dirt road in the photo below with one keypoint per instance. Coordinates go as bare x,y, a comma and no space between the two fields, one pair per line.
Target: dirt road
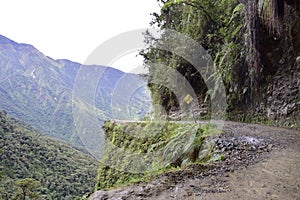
261,162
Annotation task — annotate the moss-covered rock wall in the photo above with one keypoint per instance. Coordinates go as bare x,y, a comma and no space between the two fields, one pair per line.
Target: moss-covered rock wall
137,150
255,45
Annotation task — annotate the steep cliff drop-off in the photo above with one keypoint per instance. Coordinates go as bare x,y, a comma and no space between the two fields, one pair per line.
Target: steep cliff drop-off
258,162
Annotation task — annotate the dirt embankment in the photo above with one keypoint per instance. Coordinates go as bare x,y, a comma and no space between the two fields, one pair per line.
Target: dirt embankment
260,162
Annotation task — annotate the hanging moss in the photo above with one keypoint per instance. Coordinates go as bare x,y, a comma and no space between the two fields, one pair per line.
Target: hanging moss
271,13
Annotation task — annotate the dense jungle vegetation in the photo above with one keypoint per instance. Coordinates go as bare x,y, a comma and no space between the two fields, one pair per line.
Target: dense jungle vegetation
250,42
37,167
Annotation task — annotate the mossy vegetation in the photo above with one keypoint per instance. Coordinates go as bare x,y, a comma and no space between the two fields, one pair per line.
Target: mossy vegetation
137,151
219,26
249,42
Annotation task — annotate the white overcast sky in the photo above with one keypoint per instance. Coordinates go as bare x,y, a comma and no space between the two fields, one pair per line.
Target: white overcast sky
72,29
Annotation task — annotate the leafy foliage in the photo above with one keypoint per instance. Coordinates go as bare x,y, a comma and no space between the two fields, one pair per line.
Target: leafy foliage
216,25
29,158
248,41
28,187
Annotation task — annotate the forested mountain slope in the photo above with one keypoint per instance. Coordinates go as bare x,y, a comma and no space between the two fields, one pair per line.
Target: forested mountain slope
63,171
38,90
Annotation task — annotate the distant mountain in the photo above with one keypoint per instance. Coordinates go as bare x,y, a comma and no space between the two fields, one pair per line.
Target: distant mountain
64,172
39,91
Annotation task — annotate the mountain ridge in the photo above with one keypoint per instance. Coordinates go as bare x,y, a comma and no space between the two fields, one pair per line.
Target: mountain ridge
38,90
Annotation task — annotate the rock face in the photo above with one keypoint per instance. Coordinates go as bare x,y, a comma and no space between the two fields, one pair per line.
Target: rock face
282,99
279,62
284,94
277,97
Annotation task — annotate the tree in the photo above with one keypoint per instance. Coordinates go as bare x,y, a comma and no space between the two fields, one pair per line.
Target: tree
28,188
218,26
